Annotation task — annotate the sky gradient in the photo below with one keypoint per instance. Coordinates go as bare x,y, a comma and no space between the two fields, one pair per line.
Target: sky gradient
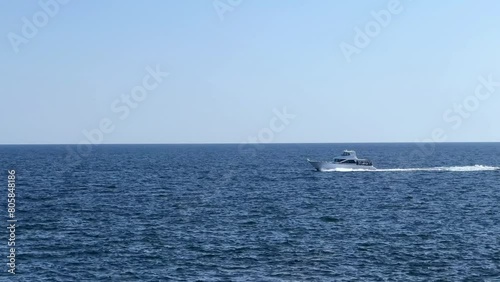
430,72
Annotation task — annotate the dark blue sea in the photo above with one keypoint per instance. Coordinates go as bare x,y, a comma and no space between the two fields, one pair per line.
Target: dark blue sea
253,213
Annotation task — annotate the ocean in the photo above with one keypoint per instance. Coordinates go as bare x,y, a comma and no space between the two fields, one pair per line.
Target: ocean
253,213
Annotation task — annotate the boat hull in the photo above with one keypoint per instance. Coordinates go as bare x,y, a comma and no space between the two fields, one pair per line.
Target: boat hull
328,166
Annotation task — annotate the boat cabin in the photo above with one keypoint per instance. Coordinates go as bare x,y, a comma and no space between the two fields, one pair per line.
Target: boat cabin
349,157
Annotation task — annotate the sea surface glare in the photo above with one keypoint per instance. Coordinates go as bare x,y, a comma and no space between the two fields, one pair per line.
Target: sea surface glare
257,213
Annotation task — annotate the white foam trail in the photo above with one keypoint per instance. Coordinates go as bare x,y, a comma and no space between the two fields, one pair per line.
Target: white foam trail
448,168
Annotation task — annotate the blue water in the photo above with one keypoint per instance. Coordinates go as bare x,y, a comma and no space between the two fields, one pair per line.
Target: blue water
257,213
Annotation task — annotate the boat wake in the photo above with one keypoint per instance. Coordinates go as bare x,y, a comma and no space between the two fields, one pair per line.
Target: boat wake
448,168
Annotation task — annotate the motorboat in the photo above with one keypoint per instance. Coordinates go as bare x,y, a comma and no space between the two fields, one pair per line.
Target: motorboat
348,160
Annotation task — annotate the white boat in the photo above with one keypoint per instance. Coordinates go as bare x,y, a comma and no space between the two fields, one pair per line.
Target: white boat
348,160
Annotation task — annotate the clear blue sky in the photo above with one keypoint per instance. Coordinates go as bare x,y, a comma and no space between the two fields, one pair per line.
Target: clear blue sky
227,74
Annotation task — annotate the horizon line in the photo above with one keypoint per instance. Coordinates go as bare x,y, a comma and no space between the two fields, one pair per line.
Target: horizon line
253,143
